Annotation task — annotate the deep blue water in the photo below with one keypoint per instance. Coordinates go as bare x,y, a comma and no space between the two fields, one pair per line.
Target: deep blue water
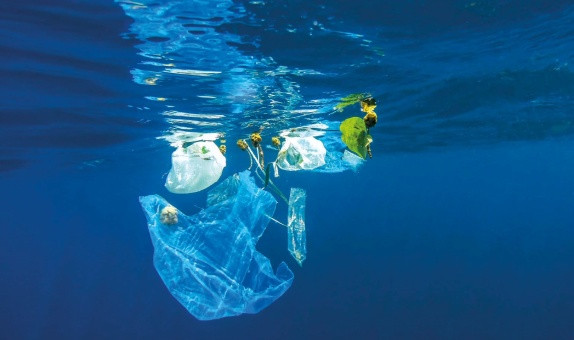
460,226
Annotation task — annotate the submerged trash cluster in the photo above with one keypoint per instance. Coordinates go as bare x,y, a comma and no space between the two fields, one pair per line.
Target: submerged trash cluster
208,261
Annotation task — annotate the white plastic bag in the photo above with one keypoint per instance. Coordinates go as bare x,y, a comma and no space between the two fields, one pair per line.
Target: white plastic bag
301,153
337,158
194,168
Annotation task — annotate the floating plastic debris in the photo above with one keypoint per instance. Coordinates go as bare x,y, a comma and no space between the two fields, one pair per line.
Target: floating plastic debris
337,159
301,153
194,168
208,261
296,236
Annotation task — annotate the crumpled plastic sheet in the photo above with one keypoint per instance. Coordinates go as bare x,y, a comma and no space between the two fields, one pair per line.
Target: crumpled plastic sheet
296,236
301,153
208,261
195,167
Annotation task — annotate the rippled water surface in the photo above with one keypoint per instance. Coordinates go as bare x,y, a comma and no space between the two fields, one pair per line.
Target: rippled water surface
460,226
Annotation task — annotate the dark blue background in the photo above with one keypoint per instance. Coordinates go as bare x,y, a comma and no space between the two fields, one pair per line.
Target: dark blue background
465,238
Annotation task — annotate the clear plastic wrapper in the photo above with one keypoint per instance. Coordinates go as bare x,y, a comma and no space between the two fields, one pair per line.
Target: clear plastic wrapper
296,235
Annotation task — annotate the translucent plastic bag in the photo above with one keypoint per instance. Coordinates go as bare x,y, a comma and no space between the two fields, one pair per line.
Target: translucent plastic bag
301,153
208,261
337,159
194,168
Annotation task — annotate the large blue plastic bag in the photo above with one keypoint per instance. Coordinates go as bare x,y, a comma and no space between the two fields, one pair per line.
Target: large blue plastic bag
208,261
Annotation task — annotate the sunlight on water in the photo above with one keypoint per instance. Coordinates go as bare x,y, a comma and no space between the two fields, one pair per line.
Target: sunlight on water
203,71
239,68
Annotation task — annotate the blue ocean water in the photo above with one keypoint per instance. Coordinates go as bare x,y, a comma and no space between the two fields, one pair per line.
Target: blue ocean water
460,226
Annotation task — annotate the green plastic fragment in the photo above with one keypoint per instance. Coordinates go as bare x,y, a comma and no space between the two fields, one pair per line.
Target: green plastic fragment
355,136
350,100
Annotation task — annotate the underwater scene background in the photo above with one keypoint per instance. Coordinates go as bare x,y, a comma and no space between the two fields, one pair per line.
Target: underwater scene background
460,226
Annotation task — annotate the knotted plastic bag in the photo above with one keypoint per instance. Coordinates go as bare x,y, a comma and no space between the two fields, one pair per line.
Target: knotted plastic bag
301,153
208,261
194,168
